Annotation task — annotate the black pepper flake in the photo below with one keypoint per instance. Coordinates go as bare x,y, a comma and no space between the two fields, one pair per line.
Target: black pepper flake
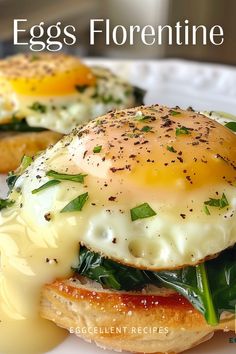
114,169
48,216
112,199
188,178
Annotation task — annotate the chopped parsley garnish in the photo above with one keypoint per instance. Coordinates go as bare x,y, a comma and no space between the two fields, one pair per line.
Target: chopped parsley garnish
219,203
182,131
25,162
171,149
46,185
5,203
206,210
97,149
81,88
139,116
76,204
174,113
146,128
67,177
38,107
110,99
142,211
231,126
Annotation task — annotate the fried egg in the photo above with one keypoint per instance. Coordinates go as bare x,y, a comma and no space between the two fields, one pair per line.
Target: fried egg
155,190
179,165
58,91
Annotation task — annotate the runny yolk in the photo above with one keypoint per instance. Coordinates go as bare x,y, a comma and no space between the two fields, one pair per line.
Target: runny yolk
54,83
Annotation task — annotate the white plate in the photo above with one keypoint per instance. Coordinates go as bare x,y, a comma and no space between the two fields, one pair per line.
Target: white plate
172,82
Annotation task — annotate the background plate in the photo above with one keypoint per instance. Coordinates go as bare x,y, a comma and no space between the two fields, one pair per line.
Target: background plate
171,82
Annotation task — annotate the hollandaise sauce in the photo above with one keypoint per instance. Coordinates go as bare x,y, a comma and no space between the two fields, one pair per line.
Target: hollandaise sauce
27,263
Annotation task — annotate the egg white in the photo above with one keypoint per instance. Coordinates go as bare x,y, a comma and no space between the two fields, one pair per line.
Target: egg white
163,241
220,117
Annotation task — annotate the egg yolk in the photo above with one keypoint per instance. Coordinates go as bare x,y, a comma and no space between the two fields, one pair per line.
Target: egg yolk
188,176
151,153
55,83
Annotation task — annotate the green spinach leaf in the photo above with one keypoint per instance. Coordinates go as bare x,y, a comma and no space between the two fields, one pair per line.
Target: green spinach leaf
210,286
17,125
109,273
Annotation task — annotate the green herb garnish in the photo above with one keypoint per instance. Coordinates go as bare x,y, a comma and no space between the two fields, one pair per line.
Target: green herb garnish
182,131
219,203
38,107
231,126
5,203
81,88
110,99
171,149
146,128
46,185
206,210
140,117
174,113
67,177
97,149
25,162
76,204
142,211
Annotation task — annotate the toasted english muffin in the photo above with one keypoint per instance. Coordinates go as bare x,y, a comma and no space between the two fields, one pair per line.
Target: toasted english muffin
156,320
